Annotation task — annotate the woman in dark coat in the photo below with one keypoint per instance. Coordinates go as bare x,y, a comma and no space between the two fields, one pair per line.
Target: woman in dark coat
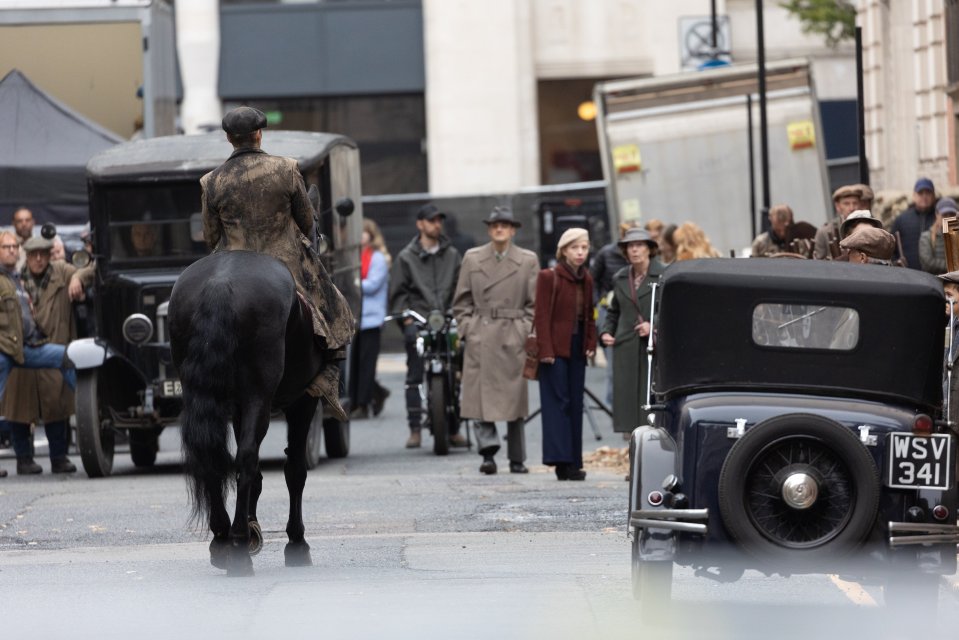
627,327
566,337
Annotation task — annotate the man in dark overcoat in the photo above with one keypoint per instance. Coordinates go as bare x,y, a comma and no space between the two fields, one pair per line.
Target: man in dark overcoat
493,305
35,395
258,202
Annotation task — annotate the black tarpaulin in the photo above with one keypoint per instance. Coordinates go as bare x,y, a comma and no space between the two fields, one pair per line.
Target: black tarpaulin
44,149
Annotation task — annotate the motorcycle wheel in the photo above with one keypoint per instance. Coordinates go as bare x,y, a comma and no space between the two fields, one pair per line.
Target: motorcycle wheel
439,422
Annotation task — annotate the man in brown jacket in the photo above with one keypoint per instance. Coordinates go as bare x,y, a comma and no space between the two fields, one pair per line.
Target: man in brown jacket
493,304
39,395
258,202
22,342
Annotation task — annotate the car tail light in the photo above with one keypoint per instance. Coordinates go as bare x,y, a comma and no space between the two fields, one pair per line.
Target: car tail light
940,512
655,498
923,424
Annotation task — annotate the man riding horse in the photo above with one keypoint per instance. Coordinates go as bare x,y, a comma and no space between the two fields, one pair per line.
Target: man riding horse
258,202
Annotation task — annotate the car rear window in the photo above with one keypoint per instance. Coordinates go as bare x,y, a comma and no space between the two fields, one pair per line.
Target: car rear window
805,326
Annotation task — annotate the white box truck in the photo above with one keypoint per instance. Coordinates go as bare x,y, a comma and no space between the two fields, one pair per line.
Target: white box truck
677,148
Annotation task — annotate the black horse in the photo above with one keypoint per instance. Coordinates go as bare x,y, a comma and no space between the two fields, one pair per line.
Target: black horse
242,342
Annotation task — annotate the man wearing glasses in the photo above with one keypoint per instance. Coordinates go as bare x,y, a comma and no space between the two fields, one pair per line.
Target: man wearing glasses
22,342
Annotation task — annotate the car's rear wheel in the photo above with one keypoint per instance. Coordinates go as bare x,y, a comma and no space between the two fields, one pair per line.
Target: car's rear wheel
336,437
798,485
652,581
95,436
144,445
314,438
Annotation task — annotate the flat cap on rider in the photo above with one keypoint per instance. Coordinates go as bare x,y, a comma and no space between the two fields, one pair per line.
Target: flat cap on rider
502,214
37,243
243,120
429,212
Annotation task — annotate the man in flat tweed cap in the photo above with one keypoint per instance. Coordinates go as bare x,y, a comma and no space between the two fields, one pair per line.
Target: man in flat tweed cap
258,202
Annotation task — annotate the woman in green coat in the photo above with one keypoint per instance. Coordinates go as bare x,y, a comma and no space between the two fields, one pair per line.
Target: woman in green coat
627,327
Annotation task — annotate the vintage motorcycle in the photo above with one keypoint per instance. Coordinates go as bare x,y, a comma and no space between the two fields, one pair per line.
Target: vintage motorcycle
438,343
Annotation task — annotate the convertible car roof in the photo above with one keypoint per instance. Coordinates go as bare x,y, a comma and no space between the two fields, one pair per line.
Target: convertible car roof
705,329
192,156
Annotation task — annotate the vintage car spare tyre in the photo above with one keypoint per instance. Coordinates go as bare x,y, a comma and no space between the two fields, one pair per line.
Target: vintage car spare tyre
798,486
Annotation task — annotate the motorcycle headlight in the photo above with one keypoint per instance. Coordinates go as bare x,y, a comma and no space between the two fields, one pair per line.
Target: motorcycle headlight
436,320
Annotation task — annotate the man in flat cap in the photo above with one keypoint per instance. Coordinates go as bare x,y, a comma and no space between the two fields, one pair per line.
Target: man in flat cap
869,245
845,200
22,340
35,396
258,202
422,279
910,224
493,304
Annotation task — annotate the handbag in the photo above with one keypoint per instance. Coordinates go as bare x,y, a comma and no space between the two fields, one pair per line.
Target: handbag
531,364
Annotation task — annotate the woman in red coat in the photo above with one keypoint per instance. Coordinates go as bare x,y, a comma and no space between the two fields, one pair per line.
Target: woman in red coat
566,337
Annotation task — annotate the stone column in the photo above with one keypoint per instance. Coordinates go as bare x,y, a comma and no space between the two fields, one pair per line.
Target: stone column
480,96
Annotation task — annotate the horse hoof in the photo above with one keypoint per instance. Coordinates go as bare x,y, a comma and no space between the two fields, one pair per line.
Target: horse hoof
240,564
297,554
256,538
220,553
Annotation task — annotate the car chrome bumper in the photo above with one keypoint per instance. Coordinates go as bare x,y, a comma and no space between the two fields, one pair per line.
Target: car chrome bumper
922,533
673,519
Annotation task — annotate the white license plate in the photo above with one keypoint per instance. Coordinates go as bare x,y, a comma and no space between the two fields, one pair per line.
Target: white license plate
171,389
920,462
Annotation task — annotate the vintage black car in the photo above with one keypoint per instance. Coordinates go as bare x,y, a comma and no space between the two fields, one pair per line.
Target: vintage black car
146,224
795,427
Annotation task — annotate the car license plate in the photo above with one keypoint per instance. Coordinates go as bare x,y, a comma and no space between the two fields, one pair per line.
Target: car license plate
920,462
171,389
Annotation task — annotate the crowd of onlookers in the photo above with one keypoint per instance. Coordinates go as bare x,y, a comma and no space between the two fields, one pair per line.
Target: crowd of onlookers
37,320
509,312
554,309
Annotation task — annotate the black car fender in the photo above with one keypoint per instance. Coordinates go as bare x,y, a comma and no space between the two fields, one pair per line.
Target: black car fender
123,380
652,460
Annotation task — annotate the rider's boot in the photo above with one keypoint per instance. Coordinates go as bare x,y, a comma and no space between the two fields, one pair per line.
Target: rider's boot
326,386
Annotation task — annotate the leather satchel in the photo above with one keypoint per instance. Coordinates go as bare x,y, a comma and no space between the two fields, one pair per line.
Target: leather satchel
531,365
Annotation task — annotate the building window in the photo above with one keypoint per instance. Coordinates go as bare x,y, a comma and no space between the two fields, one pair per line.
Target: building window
389,130
568,144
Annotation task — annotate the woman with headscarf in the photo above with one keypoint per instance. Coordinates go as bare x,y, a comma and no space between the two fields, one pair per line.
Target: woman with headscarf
627,327
565,337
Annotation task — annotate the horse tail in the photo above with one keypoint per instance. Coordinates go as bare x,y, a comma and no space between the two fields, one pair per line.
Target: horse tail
207,374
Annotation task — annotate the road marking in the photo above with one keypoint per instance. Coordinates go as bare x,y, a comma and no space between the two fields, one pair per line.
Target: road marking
854,592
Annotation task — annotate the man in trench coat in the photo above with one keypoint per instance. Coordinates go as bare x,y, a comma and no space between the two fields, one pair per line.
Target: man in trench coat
258,202
493,305
35,395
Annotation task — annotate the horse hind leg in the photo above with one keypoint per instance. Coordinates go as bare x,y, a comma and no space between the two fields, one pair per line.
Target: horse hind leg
249,429
299,415
220,527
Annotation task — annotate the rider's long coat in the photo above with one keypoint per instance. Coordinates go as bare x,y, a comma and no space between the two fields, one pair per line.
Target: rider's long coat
493,304
258,202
